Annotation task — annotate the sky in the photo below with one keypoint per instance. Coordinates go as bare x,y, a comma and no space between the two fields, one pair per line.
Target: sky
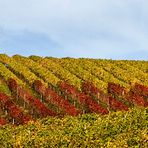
106,29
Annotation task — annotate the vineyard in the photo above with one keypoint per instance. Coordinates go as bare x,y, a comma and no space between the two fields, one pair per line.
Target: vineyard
36,89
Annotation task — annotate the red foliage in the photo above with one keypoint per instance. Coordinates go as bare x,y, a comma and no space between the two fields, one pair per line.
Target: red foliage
25,119
90,88
12,84
134,96
82,98
135,99
12,109
141,90
39,87
117,105
52,97
138,95
35,103
116,89
3,98
2,121
112,103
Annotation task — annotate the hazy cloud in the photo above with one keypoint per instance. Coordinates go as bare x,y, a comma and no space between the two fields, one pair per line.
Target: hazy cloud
78,28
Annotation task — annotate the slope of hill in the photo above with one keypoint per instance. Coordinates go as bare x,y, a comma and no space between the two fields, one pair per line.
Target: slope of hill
38,87
36,91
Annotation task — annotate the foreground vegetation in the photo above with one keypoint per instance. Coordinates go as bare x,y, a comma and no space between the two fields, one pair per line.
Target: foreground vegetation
116,129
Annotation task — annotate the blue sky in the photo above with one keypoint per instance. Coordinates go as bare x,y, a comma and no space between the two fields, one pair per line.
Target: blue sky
115,29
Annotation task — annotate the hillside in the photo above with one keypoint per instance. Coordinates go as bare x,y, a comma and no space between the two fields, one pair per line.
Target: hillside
67,102
35,87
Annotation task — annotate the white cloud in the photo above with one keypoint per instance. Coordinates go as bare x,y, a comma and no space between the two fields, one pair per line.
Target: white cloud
82,27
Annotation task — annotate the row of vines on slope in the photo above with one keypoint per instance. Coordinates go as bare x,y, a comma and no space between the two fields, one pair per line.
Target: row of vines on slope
70,86
58,70
134,71
91,99
14,112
